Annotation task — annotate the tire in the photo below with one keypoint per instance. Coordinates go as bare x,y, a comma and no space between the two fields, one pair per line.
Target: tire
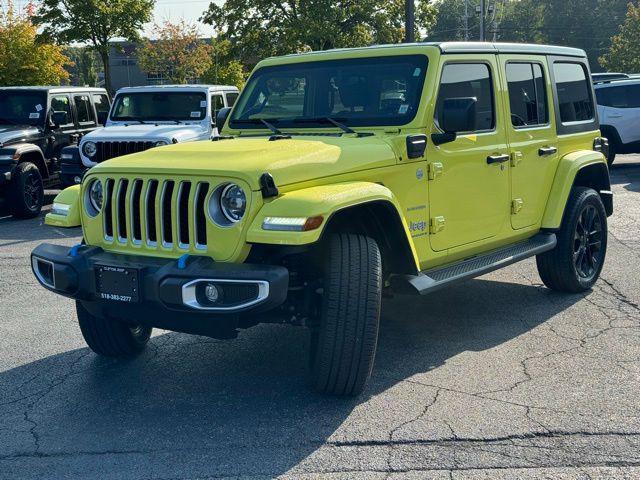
26,192
111,337
344,350
574,265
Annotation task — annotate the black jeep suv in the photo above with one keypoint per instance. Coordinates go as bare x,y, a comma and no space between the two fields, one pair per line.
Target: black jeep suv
36,123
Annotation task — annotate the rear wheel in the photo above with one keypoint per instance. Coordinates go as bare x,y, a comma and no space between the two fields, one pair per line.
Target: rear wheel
26,192
111,337
575,263
344,349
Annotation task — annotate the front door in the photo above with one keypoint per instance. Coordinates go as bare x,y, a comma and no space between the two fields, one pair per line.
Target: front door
531,135
63,135
469,177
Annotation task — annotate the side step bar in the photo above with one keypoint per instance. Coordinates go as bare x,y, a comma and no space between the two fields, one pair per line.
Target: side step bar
432,280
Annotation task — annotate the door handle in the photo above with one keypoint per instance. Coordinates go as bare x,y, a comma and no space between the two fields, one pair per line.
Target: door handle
498,158
546,151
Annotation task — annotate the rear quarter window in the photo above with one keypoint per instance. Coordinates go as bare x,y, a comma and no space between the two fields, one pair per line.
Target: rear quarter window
574,92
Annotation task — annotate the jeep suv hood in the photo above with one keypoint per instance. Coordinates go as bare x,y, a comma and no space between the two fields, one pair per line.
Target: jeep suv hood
289,161
10,133
146,132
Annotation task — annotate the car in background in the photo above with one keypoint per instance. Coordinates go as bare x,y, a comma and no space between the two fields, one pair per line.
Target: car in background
36,124
619,112
147,117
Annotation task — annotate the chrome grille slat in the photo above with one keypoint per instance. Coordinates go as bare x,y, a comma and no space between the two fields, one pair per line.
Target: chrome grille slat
166,225
199,217
156,213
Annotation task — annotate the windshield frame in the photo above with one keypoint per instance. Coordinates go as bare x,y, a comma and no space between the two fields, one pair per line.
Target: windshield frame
42,99
305,122
174,118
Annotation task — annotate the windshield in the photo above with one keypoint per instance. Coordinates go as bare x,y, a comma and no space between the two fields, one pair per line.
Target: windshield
22,108
160,106
357,92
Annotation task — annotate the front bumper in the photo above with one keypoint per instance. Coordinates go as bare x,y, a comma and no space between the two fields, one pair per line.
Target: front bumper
70,173
5,174
166,296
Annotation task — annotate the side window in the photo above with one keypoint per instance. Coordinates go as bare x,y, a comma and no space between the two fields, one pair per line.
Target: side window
527,96
622,96
101,102
231,98
217,102
61,103
464,80
574,92
84,111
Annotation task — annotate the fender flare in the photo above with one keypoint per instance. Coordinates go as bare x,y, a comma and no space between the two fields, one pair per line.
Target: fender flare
570,168
34,152
68,198
325,201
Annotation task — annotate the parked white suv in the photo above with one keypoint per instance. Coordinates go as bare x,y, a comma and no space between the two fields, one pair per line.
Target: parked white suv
145,117
619,113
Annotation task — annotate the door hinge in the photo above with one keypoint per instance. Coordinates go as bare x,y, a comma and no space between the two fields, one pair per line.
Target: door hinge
436,224
516,158
516,206
434,169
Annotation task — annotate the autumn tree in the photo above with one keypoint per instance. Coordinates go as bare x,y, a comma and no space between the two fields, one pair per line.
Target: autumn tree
178,52
624,53
24,60
96,22
261,28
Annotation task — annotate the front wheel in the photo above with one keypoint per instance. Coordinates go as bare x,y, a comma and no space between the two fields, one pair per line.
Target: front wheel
575,263
26,192
344,350
111,337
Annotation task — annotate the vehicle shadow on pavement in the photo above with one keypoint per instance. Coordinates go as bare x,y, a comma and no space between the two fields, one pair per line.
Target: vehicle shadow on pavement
19,231
626,174
192,406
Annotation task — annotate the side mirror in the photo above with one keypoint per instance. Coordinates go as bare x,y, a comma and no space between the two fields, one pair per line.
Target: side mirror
102,117
59,118
458,115
221,117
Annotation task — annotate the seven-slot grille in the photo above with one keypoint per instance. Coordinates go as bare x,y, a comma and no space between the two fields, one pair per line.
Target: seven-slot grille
108,150
155,213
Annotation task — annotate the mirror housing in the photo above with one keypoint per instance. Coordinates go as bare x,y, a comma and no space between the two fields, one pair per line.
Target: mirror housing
458,115
59,118
221,117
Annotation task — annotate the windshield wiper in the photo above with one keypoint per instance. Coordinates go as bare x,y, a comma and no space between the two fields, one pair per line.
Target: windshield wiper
130,119
277,133
333,121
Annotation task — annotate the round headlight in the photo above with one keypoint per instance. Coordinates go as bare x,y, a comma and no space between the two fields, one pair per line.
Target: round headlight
95,195
161,143
89,149
233,202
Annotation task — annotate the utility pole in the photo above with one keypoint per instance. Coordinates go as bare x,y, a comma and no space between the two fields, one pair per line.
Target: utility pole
482,20
410,21
466,20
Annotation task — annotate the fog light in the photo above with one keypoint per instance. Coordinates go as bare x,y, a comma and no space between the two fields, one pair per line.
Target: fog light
77,179
211,292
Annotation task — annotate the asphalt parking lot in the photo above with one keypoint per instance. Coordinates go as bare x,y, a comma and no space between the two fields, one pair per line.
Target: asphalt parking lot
498,378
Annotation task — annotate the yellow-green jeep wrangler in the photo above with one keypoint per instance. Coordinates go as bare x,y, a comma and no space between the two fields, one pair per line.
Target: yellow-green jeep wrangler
338,175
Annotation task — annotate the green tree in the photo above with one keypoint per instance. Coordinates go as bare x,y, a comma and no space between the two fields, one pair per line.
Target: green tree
24,60
624,53
94,21
178,53
84,70
224,69
261,28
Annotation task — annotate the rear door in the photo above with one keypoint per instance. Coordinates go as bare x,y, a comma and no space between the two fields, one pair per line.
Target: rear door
469,187
531,134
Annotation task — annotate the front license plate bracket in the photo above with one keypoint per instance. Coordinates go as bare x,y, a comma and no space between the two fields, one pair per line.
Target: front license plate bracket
119,284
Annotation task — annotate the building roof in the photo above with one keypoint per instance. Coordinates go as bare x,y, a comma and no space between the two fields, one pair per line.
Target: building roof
469,47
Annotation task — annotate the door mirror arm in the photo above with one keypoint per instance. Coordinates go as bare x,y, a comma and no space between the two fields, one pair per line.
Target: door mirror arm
442,138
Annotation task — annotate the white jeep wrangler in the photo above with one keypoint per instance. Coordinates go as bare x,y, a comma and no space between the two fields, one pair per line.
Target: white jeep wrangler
145,117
